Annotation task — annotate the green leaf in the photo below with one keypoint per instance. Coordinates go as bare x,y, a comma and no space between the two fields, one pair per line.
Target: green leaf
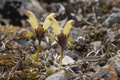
52,39
49,34
69,39
49,71
38,63
71,47
30,34
33,56
27,59
78,47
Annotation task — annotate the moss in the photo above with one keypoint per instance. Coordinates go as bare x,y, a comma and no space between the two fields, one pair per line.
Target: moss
71,47
104,31
97,31
105,9
6,61
92,34
24,76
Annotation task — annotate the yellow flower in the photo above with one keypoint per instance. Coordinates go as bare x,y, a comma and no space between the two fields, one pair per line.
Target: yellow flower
68,26
47,22
62,36
32,20
56,27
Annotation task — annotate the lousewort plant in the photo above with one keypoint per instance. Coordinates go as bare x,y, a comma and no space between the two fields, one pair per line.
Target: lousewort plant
39,31
62,36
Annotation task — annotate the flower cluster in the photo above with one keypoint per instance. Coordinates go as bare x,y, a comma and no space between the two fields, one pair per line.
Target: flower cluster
39,31
62,36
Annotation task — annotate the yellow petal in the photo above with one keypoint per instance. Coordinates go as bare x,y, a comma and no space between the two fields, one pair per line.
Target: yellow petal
47,22
68,26
55,26
32,20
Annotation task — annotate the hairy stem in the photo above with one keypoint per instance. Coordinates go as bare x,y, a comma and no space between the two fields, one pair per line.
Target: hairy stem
61,56
38,49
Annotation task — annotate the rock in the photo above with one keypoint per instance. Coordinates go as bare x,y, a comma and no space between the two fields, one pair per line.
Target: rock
107,72
67,60
54,44
115,62
115,9
22,42
43,45
53,68
58,8
35,7
58,76
30,46
112,19
72,53
111,36
74,33
111,73
15,10
96,44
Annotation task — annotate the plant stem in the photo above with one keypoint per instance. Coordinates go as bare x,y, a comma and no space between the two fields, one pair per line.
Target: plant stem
61,56
38,50
107,50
